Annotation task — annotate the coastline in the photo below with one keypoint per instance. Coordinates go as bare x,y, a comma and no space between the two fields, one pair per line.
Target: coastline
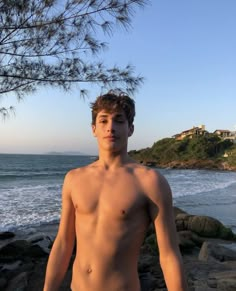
213,204
191,165
35,193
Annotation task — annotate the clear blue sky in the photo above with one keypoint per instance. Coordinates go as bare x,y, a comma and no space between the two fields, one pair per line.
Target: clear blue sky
185,49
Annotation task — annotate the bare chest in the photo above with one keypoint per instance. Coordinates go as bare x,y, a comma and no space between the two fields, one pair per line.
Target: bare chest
114,198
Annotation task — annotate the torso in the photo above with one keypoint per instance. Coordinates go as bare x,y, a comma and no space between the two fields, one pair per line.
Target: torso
111,213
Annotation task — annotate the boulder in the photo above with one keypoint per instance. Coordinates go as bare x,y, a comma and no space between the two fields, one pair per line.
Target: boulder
6,235
147,281
18,283
177,211
3,283
11,266
151,241
144,263
188,240
20,249
181,221
223,281
14,250
209,227
213,251
204,226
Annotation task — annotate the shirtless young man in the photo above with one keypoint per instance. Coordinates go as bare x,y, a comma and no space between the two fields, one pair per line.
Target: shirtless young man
107,206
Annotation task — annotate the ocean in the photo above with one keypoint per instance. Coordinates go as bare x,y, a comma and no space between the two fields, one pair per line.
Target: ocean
30,190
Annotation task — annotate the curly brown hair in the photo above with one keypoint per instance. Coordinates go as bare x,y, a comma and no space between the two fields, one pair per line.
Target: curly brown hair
114,101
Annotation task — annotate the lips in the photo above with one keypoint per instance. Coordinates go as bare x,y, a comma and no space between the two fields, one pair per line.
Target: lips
111,137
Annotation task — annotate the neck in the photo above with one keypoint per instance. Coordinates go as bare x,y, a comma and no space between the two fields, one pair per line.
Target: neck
113,160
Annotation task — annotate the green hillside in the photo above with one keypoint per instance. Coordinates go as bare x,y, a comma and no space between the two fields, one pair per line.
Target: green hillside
198,152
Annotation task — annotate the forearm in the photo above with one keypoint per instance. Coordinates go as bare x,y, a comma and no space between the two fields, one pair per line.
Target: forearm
173,270
57,265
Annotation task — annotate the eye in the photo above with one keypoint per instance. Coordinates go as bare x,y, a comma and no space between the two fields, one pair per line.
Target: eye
120,121
102,121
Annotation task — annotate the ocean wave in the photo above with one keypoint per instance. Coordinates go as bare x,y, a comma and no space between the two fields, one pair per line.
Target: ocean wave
30,189
31,175
28,225
203,182
199,189
207,203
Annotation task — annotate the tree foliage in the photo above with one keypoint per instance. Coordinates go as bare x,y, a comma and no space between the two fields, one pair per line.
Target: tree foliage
203,148
53,42
232,156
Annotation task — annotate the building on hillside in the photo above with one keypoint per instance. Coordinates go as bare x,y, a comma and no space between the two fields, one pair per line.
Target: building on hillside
190,133
223,133
226,134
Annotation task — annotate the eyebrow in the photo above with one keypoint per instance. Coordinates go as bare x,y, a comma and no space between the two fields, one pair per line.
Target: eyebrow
116,116
102,115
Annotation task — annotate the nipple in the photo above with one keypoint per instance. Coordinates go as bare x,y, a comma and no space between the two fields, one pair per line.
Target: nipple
123,212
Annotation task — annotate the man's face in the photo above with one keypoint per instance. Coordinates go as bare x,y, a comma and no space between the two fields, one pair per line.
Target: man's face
112,130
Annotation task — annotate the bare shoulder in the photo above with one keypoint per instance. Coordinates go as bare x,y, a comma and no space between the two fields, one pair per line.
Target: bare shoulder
154,183
79,174
150,176
157,191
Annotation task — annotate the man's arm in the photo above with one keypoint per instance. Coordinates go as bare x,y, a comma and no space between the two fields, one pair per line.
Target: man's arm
63,245
161,212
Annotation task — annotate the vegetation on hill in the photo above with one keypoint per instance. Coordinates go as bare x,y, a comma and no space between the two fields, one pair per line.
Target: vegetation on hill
198,152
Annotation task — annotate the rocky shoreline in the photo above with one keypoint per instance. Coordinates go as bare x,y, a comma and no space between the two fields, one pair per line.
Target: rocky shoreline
207,246
192,164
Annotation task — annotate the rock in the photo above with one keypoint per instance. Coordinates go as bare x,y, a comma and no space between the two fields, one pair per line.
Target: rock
37,251
178,211
6,235
145,262
146,280
204,226
185,240
3,283
14,250
231,246
227,284
223,281
181,221
41,243
210,251
151,230
11,266
23,262
36,246
188,240
18,283
151,241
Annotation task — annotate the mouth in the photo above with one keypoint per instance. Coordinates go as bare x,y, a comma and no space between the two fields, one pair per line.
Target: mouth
111,138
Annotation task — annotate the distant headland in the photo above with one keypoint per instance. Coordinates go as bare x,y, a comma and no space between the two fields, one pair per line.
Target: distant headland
66,153
195,148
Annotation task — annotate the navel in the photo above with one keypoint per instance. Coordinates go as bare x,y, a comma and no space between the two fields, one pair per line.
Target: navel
89,270
123,212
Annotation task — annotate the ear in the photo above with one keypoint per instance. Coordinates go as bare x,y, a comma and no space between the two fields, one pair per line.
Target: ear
131,130
94,130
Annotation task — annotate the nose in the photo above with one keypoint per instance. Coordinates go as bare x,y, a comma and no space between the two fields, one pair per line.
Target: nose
111,126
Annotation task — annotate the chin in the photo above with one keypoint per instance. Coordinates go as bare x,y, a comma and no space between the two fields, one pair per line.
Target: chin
113,148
